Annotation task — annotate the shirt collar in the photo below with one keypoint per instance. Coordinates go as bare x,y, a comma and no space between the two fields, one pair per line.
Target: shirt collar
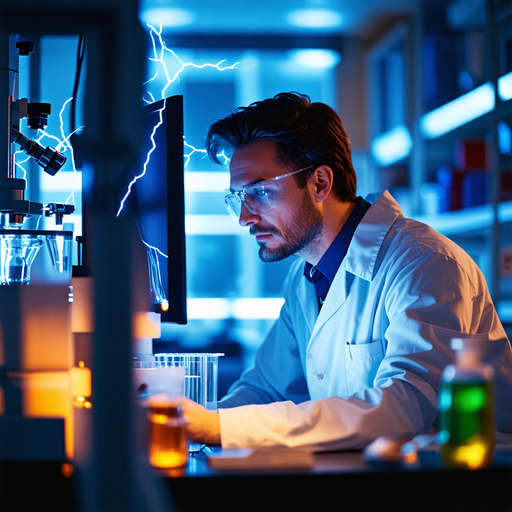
331,260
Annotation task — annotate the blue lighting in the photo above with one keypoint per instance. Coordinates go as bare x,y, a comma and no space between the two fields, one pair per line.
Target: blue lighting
314,18
392,146
458,112
167,17
504,139
318,58
505,87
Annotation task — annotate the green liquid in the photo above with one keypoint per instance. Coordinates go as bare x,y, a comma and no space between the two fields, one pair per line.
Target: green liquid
467,423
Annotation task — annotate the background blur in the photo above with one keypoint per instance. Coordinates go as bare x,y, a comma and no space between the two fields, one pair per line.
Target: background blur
423,88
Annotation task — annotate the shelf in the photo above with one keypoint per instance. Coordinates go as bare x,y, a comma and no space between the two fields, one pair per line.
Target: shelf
469,219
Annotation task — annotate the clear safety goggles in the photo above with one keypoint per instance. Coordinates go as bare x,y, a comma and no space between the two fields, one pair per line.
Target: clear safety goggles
258,198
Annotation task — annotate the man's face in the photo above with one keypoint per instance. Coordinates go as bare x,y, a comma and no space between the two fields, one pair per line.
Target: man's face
294,225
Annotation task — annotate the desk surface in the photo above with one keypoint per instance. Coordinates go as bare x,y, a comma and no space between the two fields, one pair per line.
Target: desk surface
342,481
339,481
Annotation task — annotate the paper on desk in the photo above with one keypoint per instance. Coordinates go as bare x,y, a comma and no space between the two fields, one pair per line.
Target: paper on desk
261,459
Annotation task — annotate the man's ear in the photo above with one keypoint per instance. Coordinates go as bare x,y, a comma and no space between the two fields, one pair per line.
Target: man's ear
322,182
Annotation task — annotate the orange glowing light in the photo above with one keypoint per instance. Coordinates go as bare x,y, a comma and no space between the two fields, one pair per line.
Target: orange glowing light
80,379
411,458
46,395
67,469
87,405
164,306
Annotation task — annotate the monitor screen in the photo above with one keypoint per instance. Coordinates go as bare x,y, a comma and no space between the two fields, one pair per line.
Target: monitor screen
159,205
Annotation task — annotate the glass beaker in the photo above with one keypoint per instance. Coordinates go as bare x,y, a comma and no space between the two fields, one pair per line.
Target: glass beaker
168,447
60,248
17,252
200,383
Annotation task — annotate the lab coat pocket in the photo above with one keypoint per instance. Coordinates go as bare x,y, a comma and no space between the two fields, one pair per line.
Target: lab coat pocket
361,364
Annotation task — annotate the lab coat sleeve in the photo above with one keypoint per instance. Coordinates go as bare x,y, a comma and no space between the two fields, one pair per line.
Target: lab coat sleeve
277,374
429,301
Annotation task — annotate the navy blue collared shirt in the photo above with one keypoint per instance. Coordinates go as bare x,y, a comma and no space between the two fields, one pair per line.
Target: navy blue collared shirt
323,274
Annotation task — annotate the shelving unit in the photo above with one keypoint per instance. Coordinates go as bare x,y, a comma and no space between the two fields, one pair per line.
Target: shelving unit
447,54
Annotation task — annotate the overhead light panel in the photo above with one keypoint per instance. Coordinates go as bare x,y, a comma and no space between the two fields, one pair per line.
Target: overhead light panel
206,181
505,87
167,17
317,58
314,18
458,112
392,146
241,309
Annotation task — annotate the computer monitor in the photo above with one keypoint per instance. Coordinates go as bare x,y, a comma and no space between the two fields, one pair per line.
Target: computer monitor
158,203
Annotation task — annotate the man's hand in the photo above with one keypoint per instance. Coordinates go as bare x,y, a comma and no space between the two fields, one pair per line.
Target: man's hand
202,426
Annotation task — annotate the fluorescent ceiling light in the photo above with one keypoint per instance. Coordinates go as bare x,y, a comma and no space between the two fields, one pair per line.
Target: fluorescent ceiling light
505,87
214,309
247,309
458,112
243,309
206,181
167,17
318,58
213,225
392,146
314,18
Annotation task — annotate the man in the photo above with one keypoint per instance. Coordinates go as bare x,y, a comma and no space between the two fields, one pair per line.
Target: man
370,307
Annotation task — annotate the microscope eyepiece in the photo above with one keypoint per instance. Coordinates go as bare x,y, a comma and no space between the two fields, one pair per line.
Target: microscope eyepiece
38,115
48,158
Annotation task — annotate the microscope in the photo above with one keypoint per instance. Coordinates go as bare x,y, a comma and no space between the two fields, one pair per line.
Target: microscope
38,372
18,246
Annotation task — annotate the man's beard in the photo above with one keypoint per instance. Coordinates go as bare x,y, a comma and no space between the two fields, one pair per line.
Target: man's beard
303,229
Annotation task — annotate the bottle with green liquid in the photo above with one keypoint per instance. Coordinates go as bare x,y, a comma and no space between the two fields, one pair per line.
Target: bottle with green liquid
466,408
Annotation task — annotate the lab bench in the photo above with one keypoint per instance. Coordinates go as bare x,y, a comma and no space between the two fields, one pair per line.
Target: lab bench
338,481
343,481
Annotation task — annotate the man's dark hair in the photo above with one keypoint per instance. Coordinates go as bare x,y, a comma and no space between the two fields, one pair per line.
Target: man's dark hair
306,134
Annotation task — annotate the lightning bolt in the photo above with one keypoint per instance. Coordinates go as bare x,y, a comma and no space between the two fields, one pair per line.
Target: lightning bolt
20,152
194,150
22,162
148,158
154,248
226,158
64,144
158,57
163,48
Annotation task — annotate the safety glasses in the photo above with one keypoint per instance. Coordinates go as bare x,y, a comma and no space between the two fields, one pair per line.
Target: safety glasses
258,198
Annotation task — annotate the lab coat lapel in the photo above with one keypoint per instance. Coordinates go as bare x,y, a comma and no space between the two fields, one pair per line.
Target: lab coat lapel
359,262
308,302
361,255
335,298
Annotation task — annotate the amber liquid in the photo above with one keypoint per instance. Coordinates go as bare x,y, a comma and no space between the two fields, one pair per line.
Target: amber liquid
168,447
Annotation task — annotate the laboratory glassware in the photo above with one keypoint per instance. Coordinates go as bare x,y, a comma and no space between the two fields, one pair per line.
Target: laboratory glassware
168,447
201,378
466,406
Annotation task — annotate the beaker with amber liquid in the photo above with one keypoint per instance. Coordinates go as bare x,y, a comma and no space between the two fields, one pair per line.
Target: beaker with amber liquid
168,446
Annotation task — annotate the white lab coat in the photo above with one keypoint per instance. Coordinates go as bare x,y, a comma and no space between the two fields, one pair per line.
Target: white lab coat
370,363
